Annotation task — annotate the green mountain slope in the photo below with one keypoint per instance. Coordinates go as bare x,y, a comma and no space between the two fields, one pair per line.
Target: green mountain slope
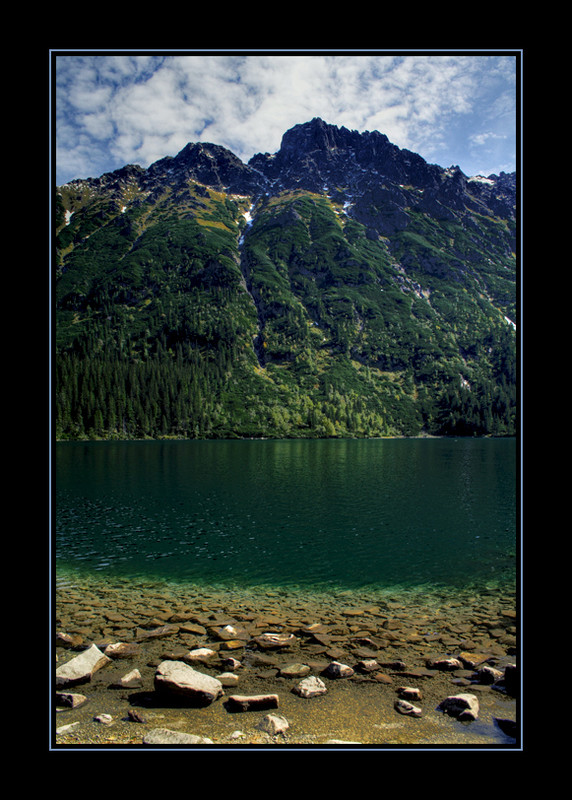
189,310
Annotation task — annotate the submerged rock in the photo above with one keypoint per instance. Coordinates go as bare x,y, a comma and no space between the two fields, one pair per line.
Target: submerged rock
241,702
200,655
409,693
445,664
462,706
230,664
488,675
123,650
70,700
67,728
294,671
68,640
232,644
178,678
135,716
367,665
81,668
166,736
132,680
310,687
273,724
404,707
336,669
274,641
161,632
472,660
228,678
228,633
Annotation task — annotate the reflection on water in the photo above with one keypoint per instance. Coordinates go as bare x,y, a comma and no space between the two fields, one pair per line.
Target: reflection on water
381,513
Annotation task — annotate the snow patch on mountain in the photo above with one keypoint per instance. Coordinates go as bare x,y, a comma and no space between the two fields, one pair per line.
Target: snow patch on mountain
482,179
248,217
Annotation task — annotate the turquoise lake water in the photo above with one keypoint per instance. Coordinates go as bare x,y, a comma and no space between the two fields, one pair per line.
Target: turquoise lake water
350,514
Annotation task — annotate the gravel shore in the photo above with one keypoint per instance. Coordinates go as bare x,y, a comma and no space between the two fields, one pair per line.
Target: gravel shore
434,645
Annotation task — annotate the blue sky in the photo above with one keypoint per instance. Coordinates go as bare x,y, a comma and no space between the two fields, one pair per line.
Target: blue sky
116,108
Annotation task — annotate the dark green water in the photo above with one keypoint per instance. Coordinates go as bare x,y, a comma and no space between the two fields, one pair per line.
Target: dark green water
345,514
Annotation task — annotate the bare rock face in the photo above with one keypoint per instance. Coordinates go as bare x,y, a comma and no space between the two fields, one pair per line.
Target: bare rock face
181,680
211,165
81,668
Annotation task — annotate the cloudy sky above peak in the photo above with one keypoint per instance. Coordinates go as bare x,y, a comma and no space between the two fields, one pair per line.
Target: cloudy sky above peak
116,108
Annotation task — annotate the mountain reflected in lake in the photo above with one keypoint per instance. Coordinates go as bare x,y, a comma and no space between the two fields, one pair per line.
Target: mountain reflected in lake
339,513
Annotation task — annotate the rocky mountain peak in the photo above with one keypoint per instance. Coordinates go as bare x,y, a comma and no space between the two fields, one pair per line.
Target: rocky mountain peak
353,290
311,136
316,154
209,164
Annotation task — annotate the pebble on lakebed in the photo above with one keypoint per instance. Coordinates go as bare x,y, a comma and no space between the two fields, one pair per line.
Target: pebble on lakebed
180,667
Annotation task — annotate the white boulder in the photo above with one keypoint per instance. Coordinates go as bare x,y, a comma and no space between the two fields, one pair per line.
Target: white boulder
180,679
81,668
310,687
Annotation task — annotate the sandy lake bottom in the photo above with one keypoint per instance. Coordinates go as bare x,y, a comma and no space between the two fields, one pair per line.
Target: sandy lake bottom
390,638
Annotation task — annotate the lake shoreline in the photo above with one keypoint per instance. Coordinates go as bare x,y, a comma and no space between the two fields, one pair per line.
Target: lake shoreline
118,439
381,572
387,639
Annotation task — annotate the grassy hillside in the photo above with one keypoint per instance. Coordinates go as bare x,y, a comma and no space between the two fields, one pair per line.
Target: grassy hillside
177,317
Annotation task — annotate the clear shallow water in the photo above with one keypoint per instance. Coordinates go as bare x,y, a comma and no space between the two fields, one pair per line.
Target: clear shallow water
318,514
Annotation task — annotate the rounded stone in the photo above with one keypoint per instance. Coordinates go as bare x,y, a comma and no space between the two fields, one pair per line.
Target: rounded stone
294,671
461,706
310,687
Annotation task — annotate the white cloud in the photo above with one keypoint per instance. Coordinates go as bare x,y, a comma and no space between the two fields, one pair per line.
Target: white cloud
118,109
483,138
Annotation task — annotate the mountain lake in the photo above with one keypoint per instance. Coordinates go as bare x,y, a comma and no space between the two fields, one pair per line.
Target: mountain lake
312,527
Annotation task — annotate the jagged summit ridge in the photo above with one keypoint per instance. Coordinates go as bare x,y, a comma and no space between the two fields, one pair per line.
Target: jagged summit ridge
317,151
210,164
321,157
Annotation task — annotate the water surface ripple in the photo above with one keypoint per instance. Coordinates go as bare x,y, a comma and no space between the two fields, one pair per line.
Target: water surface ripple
327,513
